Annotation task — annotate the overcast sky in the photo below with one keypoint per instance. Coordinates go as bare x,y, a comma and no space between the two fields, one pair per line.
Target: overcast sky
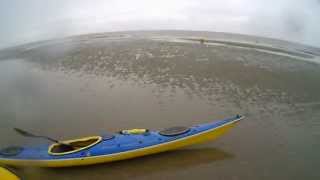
31,20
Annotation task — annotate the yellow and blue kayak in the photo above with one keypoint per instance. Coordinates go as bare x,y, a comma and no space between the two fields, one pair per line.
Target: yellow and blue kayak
5,174
113,147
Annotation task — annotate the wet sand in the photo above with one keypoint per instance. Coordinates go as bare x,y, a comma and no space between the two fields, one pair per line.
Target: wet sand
91,84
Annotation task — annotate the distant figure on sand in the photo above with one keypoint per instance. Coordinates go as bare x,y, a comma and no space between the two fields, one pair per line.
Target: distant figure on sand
202,41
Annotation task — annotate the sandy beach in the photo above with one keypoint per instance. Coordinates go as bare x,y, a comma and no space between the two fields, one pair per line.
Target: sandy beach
91,84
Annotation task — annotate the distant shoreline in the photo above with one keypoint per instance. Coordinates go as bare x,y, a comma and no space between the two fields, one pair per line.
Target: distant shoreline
263,44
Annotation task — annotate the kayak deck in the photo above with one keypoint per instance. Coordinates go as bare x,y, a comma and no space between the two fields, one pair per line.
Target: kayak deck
121,147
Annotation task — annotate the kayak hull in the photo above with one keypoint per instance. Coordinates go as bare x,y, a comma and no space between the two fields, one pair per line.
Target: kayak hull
203,136
7,175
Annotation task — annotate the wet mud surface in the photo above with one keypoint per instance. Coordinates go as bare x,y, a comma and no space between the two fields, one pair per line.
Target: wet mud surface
91,84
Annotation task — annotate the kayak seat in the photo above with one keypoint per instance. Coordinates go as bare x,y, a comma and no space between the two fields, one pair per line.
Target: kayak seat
174,131
76,144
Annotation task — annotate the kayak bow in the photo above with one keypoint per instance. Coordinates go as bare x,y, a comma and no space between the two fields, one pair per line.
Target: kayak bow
119,146
5,174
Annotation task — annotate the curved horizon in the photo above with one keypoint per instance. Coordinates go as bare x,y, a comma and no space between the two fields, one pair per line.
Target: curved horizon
31,21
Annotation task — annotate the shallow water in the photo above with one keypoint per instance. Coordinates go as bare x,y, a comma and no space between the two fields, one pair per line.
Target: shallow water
83,86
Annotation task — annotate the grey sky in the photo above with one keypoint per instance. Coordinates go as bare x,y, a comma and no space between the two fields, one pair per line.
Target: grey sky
31,20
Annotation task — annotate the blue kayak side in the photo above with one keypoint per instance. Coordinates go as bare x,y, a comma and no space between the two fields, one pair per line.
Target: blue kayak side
120,143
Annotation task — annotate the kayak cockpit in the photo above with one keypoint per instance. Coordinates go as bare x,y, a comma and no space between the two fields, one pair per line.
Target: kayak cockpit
76,144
